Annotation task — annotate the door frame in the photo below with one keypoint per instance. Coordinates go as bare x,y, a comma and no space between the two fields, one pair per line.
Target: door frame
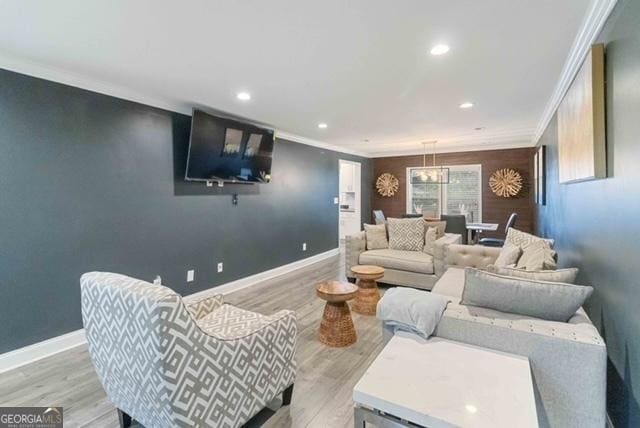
357,191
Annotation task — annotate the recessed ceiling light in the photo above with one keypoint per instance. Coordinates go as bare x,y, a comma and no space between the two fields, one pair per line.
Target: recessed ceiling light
439,50
243,96
322,125
471,408
466,105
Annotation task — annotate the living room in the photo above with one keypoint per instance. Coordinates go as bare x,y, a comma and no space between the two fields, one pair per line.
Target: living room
331,214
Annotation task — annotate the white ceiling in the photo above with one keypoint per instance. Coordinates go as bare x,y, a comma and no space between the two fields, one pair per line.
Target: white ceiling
362,66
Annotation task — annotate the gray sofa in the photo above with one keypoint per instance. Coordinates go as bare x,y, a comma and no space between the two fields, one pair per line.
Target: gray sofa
568,360
406,268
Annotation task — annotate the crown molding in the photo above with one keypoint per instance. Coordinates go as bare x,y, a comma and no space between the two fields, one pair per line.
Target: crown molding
455,148
66,77
310,142
592,25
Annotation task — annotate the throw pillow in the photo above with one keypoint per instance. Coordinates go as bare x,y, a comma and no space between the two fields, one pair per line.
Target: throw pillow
538,255
439,225
406,234
523,239
551,301
509,255
567,276
430,238
376,236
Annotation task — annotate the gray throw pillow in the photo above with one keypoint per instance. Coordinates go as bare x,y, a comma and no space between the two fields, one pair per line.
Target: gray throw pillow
509,255
376,236
567,276
406,234
551,301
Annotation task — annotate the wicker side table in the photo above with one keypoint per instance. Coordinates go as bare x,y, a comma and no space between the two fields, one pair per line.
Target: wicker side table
368,294
336,327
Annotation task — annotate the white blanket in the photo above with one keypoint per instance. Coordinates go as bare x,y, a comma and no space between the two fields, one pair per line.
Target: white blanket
413,310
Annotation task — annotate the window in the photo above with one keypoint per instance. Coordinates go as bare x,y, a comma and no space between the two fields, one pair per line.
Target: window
463,194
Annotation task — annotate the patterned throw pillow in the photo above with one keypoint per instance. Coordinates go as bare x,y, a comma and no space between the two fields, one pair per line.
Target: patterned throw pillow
430,238
406,234
376,236
523,239
538,255
439,225
509,255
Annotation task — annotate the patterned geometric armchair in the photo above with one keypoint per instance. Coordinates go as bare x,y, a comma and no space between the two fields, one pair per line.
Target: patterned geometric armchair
169,363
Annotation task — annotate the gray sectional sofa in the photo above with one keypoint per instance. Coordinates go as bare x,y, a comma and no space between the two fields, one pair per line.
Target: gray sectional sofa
406,268
568,359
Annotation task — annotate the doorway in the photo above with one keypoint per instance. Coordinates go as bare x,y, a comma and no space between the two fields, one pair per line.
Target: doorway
350,215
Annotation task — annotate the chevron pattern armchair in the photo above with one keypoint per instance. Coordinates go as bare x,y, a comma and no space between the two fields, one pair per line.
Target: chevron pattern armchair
166,362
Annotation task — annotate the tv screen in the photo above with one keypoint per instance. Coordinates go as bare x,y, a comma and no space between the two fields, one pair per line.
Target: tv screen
222,149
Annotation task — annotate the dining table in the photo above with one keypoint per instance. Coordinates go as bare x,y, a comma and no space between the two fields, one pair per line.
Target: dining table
475,229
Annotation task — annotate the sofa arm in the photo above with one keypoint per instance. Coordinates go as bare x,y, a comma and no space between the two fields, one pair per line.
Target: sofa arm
204,306
439,250
354,246
476,256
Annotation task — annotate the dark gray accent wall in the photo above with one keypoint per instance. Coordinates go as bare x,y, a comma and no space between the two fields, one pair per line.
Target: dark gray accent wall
596,224
92,182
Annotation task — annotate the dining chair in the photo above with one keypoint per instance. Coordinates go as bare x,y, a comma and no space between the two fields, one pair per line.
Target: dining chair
378,217
456,223
496,242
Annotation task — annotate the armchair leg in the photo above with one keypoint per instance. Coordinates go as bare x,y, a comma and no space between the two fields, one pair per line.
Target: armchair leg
286,395
125,419
351,280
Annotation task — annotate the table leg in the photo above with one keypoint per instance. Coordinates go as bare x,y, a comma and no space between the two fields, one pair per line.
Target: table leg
336,327
366,300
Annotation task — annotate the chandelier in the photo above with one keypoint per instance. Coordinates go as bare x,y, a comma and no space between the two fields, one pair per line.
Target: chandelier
429,174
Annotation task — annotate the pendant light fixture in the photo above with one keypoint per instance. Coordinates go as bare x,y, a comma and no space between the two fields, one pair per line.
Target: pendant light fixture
429,175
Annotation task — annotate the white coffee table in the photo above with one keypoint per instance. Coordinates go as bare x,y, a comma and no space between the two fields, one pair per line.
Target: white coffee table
441,383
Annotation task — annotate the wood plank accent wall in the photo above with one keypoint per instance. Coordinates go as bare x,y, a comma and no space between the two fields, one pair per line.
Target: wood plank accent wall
494,208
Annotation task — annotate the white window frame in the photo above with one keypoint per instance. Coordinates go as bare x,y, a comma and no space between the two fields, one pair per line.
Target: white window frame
442,196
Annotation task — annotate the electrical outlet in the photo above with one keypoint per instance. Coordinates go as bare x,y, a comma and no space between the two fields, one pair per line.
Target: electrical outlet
304,246
335,201
190,275
157,280
220,266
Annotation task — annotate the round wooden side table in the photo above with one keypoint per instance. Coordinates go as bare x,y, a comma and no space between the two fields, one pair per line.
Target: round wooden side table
368,293
336,327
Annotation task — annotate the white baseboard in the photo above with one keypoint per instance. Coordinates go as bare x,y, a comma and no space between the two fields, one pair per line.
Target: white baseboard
37,351
249,281
29,354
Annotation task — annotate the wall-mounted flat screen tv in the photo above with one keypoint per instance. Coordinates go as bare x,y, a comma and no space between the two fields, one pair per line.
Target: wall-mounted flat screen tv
222,149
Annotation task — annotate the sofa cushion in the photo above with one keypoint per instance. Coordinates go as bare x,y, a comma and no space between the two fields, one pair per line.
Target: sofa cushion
406,234
410,261
450,284
541,299
376,236
567,276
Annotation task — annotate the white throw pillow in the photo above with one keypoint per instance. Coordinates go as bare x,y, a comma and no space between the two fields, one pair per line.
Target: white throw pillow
509,255
567,276
430,238
376,236
538,255
406,234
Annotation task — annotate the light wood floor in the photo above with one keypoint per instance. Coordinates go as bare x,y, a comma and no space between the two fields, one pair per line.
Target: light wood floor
323,387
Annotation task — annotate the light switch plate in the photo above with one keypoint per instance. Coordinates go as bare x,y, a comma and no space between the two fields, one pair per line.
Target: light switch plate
190,275
336,201
304,246
220,266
